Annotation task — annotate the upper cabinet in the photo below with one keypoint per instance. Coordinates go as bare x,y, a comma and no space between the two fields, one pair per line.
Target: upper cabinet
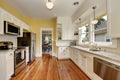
65,29
113,18
5,16
1,22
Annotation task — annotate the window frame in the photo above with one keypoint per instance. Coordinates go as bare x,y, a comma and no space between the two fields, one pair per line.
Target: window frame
80,34
112,44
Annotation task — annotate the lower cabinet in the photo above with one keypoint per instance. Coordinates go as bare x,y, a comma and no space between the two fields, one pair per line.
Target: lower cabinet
78,58
63,52
84,61
6,64
89,67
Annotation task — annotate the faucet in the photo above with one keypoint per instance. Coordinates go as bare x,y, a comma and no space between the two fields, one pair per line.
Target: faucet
94,47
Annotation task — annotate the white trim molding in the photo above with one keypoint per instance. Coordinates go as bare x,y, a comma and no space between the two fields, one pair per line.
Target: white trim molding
46,29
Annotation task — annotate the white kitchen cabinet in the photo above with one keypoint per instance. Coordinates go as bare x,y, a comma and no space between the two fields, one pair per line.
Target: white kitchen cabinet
1,22
79,58
7,64
75,56
59,20
63,52
113,18
21,31
89,67
67,27
25,26
6,16
84,61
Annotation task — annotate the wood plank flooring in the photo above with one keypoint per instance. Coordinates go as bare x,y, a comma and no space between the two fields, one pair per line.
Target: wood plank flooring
49,68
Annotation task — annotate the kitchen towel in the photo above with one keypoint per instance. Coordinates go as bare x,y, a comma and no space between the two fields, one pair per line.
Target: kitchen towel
22,54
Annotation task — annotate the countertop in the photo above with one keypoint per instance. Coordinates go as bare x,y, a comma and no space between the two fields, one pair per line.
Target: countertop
14,48
109,55
1,51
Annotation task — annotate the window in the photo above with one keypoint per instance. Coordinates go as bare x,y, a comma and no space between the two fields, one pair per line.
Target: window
100,30
95,32
84,34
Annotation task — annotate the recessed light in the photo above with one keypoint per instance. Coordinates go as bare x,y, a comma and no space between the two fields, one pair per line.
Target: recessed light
76,3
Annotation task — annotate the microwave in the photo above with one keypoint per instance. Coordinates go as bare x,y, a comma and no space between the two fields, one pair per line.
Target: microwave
11,28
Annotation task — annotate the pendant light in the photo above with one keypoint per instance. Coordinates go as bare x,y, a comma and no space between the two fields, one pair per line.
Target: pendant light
94,20
49,4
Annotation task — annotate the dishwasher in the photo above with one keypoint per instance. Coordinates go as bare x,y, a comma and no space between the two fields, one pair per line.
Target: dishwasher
106,70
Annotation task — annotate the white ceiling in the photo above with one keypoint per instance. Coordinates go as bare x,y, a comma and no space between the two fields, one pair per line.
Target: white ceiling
37,8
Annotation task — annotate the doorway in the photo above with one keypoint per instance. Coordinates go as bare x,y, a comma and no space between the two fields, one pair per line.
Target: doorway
47,37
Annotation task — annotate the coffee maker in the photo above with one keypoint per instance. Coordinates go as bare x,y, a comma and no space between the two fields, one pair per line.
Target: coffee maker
6,45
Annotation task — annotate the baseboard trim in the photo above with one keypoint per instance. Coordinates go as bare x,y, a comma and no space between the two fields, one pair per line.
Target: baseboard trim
38,55
54,54
79,68
63,59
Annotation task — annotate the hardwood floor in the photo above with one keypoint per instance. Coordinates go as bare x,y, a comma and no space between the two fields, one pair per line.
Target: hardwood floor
49,68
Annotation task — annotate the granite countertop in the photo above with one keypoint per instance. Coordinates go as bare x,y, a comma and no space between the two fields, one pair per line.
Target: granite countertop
109,55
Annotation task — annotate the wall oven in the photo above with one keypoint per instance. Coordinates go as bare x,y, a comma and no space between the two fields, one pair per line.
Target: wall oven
10,28
19,60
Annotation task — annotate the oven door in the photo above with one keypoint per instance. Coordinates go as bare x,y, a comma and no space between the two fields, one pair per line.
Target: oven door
106,70
19,56
19,60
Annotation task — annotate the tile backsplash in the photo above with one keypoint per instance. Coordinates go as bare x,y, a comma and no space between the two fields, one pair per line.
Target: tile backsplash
9,38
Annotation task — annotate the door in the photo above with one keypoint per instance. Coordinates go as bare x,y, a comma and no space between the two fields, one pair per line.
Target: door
47,42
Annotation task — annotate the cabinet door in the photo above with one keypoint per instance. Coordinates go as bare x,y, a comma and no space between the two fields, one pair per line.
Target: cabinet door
67,27
83,64
7,16
7,65
60,52
71,53
25,26
63,53
65,33
89,68
113,18
1,22
80,60
10,64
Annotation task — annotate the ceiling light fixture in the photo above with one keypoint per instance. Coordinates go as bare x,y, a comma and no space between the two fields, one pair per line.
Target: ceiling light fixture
94,20
49,4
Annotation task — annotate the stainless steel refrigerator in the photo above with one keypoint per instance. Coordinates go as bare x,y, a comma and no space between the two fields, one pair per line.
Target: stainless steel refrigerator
28,39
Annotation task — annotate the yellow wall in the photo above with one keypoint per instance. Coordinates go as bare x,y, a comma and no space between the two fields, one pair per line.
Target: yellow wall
37,25
34,24
13,11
